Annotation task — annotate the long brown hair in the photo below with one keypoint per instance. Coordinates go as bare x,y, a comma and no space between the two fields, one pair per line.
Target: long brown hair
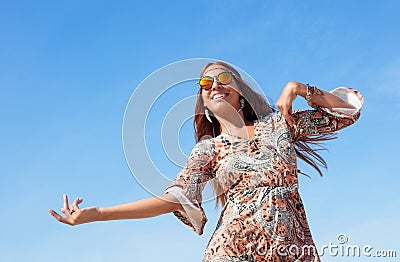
255,106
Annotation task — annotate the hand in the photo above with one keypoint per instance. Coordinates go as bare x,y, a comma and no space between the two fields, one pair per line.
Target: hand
285,101
74,215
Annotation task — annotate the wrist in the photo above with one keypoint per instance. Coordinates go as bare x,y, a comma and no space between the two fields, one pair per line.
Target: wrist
310,93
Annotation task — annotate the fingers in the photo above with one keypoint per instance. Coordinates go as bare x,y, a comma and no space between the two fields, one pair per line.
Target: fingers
58,217
66,209
74,205
289,119
285,101
286,111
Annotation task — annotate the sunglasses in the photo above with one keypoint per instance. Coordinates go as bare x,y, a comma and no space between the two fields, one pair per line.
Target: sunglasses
224,78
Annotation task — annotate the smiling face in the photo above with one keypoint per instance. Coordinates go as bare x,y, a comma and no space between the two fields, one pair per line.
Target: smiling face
221,99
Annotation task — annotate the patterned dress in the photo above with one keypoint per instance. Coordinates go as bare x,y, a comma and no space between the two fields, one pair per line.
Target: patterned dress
264,217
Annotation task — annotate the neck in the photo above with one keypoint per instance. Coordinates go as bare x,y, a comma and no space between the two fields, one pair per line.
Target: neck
232,122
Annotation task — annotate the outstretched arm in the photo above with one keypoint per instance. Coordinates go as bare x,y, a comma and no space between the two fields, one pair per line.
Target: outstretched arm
143,208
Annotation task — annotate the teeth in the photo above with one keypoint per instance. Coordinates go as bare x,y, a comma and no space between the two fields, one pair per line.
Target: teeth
217,96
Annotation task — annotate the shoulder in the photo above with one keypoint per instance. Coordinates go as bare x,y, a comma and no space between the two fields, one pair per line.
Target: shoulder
274,116
205,146
202,155
274,123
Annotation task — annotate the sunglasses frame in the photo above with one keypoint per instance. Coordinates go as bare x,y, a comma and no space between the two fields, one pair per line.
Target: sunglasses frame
216,77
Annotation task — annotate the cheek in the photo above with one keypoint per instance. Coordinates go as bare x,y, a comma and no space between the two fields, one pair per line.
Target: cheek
234,96
205,98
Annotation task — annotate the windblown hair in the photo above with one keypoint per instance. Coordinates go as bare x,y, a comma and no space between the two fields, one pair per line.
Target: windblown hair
255,106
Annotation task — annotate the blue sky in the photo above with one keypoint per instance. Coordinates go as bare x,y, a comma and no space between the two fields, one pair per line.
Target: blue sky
69,68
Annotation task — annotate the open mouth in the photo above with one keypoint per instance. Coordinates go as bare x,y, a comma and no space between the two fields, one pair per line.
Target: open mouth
219,96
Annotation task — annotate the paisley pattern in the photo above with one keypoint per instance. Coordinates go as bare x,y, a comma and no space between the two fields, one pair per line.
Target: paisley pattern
264,218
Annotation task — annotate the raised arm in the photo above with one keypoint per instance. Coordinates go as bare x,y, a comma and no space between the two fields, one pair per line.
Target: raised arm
321,98
144,208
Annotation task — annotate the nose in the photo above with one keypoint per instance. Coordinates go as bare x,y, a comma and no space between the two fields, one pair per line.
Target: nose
216,84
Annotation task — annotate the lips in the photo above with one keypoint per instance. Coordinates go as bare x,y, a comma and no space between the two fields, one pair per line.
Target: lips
219,96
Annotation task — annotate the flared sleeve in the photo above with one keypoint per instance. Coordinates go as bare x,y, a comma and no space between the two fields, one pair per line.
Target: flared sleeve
189,184
322,120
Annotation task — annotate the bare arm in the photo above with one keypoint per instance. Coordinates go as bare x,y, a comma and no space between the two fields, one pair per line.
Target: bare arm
144,208
321,98
149,207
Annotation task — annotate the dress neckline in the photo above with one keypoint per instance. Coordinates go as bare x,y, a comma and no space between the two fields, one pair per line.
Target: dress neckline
255,122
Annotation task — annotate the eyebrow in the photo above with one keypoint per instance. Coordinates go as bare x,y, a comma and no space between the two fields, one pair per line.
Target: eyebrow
226,70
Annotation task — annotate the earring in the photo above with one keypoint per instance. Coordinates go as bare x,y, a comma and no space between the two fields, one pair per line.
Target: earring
241,100
207,115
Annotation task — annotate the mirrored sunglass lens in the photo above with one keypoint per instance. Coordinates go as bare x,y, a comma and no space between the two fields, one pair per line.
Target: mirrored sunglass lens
206,82
224,78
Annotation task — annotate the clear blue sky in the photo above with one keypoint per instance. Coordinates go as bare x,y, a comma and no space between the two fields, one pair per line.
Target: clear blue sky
68,69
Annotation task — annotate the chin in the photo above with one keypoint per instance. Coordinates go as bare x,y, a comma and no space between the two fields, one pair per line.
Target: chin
222,109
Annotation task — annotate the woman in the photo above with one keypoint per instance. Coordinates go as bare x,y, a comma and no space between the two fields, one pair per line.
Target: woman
248,152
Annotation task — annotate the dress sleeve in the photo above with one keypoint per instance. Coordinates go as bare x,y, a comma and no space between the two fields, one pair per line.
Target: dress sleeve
189,184
328,120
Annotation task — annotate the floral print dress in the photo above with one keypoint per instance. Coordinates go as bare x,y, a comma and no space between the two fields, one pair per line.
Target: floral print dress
264,217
